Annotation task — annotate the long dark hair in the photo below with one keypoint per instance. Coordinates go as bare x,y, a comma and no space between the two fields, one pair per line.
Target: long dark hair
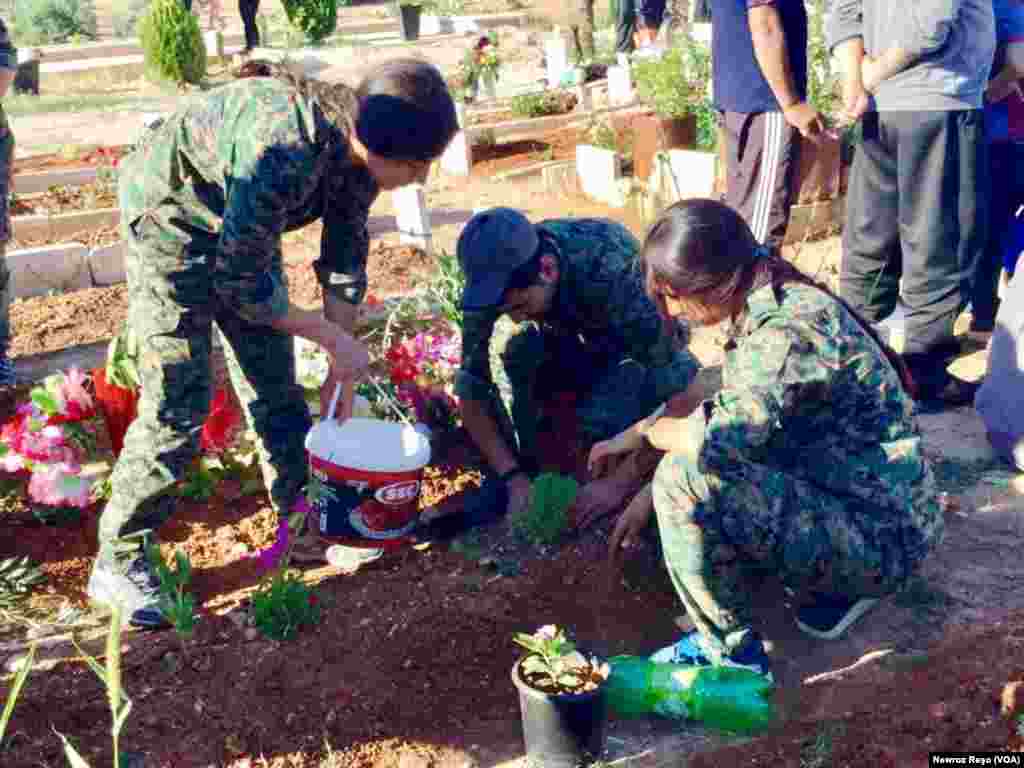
704,248
401,110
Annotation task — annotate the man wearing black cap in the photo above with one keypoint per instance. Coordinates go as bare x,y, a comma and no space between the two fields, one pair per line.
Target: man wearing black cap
583,324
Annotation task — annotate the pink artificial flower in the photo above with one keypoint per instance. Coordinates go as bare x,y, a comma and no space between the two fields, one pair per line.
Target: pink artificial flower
54,486
78,403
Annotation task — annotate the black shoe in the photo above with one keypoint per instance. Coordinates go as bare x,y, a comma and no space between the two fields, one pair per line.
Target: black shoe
8,378
134,586
953,392
829,616
483,506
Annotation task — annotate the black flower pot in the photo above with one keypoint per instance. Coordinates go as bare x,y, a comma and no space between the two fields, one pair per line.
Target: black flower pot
410,15
561,731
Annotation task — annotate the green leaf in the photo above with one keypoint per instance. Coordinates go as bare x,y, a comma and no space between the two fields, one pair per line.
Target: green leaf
184,567
43,400
12,696
75,759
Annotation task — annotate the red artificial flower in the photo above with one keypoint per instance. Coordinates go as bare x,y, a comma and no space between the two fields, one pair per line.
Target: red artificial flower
313,600
371,300
221,425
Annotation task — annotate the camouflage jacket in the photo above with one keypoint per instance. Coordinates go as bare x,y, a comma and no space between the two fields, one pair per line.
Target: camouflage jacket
805,389
8,60
236,167
600,296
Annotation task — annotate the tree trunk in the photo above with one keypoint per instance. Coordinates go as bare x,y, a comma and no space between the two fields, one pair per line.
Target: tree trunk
583,33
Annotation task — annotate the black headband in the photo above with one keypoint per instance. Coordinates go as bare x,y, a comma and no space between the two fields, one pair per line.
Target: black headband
393,128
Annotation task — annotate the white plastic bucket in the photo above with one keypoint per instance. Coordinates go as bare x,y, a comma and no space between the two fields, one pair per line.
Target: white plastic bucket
370,472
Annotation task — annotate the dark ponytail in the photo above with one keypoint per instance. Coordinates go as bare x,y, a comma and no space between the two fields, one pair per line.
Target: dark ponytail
704,248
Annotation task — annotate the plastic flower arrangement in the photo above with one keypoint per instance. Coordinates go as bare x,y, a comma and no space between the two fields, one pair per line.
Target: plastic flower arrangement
481,62
422,370
49,437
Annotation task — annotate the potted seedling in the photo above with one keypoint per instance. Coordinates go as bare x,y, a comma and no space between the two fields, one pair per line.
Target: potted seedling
673,85
562,699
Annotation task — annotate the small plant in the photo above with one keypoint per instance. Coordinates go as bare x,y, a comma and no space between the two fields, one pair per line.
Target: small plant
547,517
602,134
538,104
18,577
707,126
480,63
54,21
110,676
175,602
172,43
126,16
315,19
553,665
15,691
673,84
823,84
283,605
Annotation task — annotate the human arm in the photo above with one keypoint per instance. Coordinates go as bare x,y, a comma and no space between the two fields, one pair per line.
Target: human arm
349,358
1007,80
927,29
875,71
8,60
773,58
845,32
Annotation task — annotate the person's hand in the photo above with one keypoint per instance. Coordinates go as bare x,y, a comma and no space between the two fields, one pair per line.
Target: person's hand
596,500
327,389
630,525
805,119
870,74
605,454
518,493
1001,89
349,358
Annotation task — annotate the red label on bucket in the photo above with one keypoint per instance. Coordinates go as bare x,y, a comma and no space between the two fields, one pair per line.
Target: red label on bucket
359,508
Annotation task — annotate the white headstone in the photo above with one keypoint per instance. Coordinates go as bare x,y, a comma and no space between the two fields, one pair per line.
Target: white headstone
680,174
214,42
622,59
412,216
48,269
457,159
599,171
620,86
584,98
556,56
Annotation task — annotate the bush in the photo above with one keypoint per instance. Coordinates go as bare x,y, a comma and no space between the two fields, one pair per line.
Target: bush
547,518
674,83
172,43
316,19
542,104
54,21
127,14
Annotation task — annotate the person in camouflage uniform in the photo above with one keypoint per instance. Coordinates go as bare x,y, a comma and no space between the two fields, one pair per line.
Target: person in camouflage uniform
205,198
580,322
8,70
808,462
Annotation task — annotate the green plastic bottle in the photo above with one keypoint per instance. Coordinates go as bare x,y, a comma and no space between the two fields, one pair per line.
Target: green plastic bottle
727,698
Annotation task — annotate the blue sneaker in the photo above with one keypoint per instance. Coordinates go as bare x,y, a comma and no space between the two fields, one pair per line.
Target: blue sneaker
829,616
694,651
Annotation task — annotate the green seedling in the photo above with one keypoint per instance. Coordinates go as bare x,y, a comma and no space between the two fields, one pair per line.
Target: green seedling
18,577
12,696
547,517
177,604
283,605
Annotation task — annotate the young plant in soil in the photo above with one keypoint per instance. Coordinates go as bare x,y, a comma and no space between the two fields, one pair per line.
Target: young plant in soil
283,605
554,666
15,691
177,604
547,518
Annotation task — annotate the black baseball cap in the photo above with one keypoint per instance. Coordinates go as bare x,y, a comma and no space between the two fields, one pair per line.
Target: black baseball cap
493,245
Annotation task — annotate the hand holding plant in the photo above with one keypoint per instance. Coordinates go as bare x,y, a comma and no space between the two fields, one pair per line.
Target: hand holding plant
553,664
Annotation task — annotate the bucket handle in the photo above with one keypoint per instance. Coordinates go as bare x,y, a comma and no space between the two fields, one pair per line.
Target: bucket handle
348,387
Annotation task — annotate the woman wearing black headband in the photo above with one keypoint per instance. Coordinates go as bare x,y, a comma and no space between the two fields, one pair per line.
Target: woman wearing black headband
205,198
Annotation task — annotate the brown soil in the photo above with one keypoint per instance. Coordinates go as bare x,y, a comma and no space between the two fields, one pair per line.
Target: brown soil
92,238
497,158
51,323
87,197
74,158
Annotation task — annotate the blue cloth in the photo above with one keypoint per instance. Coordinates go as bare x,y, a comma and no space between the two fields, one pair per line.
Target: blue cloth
739,84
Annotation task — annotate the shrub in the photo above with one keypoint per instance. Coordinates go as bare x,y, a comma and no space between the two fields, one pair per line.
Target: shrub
172,43
54,21
541,104
316,19
547,517
673,84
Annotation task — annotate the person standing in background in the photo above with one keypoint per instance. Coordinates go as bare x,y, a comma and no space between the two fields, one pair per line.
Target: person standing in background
1004,130
248,9
915,75
8,70
759,60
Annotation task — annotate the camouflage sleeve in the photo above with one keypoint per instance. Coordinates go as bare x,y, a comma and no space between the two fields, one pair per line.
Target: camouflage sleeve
474,381
268,179
344,250
8,53
771,370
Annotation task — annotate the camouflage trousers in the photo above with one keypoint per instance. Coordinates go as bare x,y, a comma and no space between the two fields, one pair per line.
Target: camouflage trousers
5,300
172,311
6,171
612,393
719,531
